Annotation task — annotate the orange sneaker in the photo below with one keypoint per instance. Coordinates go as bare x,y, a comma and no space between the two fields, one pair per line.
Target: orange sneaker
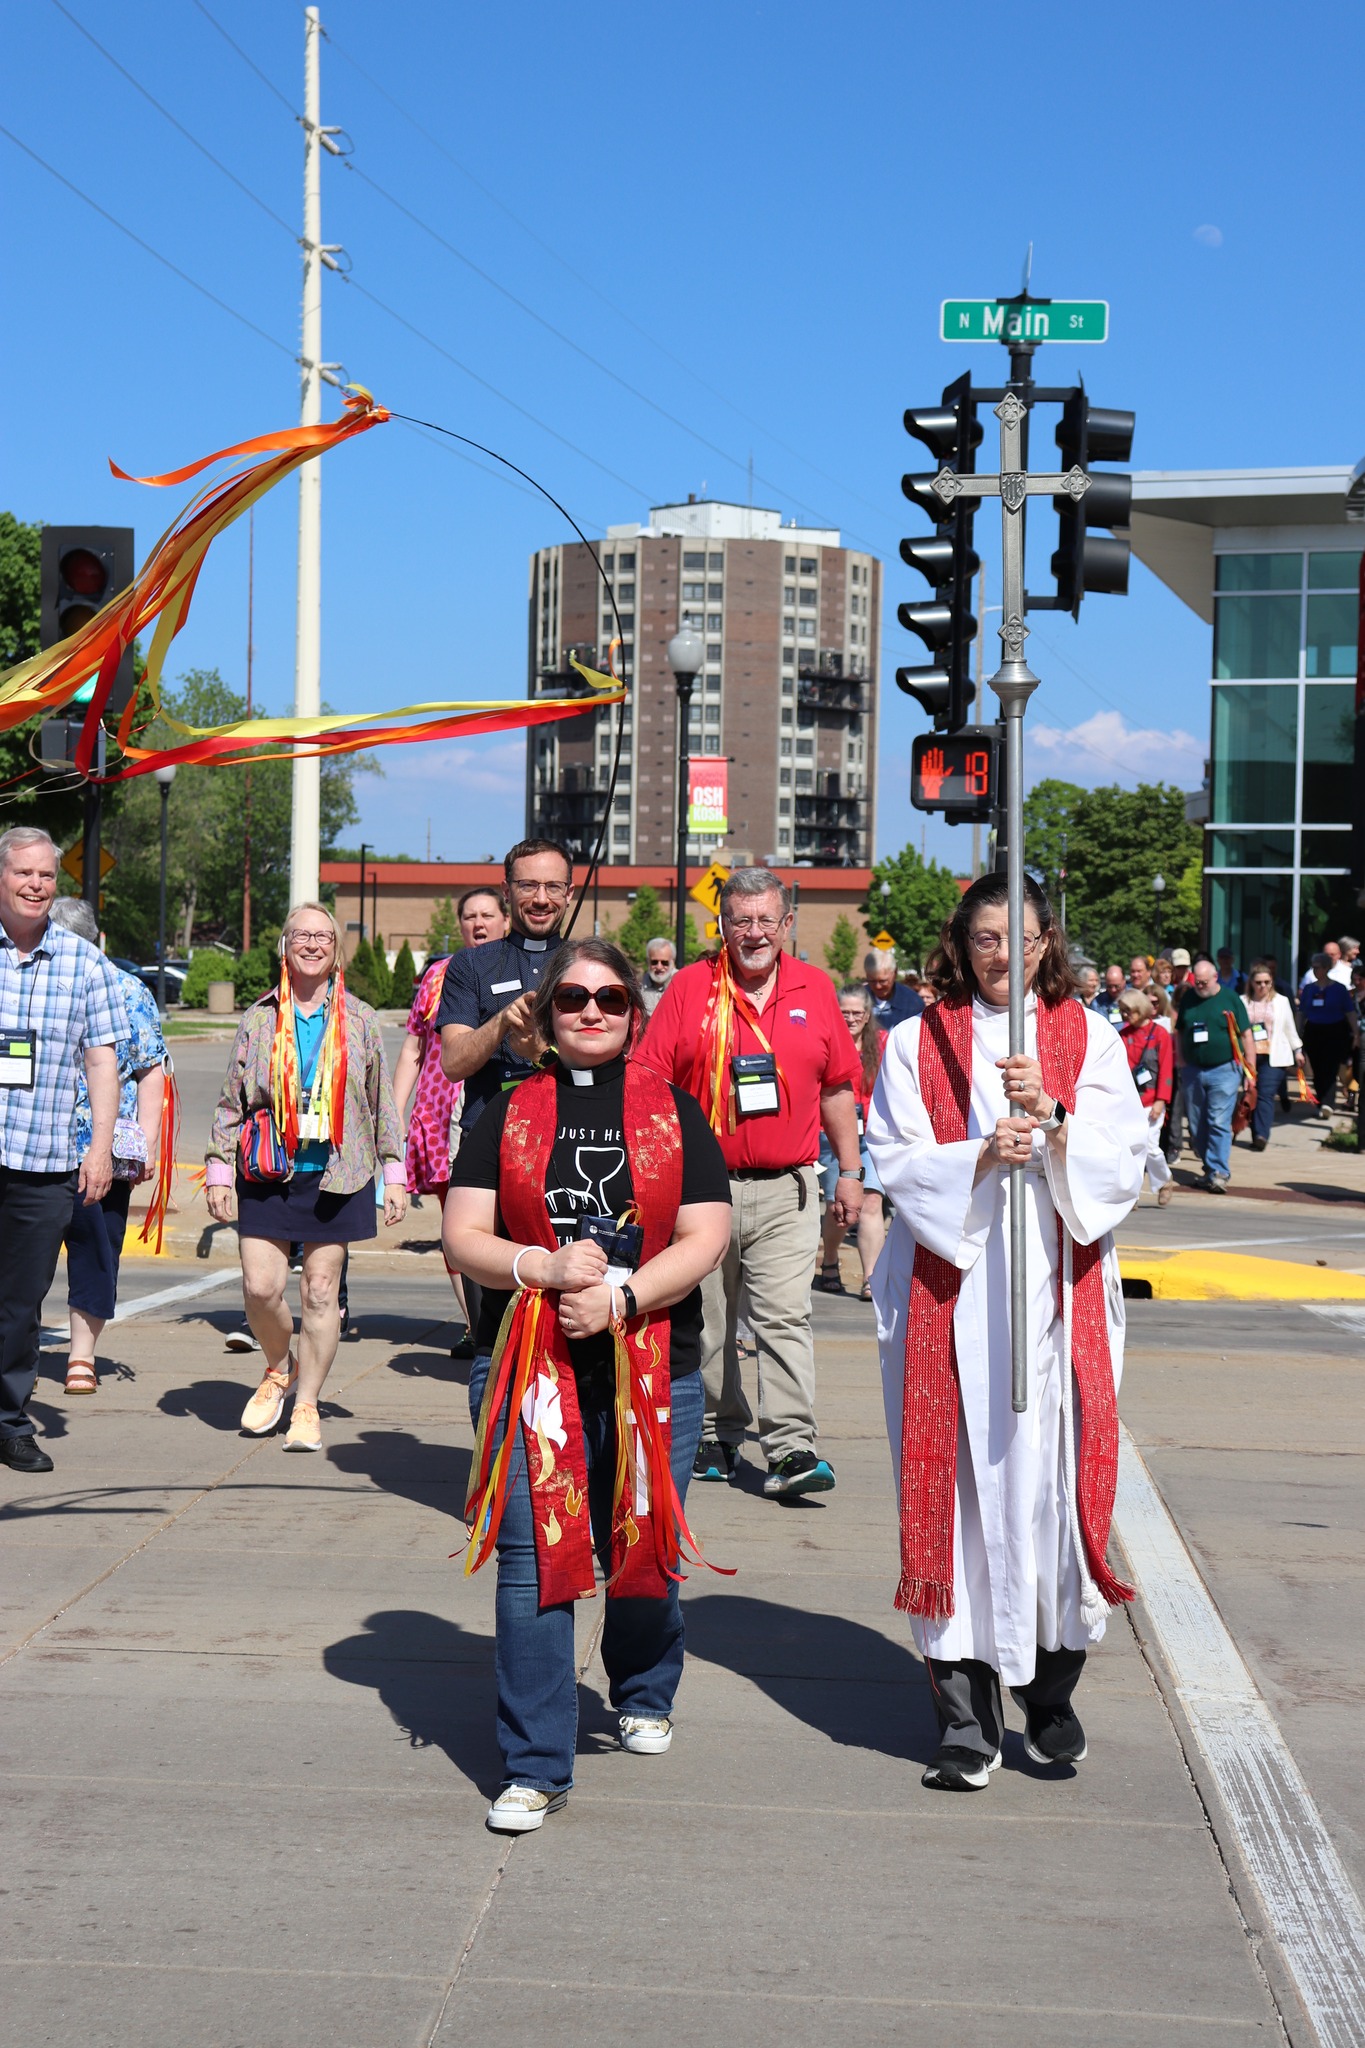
263,1411
305,1429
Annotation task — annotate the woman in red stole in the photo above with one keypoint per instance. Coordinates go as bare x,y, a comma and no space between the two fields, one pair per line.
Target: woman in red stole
589,1203
1004,1517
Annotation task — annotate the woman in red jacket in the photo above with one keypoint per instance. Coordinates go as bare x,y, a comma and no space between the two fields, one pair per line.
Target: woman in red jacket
1151,1057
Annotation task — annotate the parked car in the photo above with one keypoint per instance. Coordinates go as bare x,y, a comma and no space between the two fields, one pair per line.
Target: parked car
176,970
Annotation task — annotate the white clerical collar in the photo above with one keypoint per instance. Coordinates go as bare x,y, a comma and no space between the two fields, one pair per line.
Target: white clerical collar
582,1077
534,945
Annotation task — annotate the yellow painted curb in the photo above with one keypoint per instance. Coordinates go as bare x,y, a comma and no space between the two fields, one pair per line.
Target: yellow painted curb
1235,1276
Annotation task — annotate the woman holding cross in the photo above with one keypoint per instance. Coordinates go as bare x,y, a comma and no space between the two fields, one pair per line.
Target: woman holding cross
1004,1517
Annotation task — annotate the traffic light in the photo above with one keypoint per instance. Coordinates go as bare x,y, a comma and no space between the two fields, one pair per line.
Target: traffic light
946,559
1086,560
957,774
81,569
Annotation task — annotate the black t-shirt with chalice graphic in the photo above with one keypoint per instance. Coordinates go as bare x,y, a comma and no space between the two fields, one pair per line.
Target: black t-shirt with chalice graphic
590,1176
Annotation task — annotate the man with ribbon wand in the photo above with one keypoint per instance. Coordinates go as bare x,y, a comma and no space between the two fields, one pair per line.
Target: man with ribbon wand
588,1202
1004,1515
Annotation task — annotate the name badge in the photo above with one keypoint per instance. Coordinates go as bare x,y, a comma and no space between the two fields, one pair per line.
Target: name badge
18,1058
755,1078
1143,1077
1318,1002
862,1120
1200,1034
1259,1034
504,988
622,1243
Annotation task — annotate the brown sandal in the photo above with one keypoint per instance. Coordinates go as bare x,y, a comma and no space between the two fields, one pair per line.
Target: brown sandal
80,1377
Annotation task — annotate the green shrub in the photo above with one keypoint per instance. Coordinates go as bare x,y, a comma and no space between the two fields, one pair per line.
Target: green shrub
403,983
254,973
207,965
368,975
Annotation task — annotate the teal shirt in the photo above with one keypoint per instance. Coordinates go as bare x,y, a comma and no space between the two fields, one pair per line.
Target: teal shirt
308,1031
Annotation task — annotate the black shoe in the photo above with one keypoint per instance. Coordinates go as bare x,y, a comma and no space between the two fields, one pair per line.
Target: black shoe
716,1461
345,1318
960,1770
1258,1144
463,1347
1054,1735
23,1454
799,1472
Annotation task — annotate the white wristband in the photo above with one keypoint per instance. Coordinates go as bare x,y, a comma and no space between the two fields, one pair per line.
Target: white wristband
517,1280
611,1305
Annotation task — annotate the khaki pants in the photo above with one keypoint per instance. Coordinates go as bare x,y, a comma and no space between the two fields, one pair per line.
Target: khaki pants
770,1264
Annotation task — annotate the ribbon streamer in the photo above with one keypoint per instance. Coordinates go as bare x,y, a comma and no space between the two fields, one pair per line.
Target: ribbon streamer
163,593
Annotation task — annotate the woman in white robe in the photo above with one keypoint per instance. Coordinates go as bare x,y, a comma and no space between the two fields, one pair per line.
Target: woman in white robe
1017,1580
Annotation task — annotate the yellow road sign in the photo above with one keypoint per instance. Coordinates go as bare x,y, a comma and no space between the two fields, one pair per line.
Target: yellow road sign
707,891
73,862
884,942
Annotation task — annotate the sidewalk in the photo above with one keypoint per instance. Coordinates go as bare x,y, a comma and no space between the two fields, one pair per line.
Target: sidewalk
250,1746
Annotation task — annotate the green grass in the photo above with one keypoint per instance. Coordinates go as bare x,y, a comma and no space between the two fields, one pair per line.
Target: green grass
1341,1141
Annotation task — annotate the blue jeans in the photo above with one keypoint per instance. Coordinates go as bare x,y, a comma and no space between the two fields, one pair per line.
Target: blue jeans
642,1640
1270,1081
1210,1099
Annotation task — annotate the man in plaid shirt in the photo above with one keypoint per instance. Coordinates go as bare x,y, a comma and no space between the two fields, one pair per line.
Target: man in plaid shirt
59,1000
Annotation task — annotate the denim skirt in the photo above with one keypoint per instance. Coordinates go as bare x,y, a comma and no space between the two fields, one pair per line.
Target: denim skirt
297,1211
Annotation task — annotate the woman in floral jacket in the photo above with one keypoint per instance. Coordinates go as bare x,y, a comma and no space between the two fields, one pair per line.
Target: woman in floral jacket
305,1121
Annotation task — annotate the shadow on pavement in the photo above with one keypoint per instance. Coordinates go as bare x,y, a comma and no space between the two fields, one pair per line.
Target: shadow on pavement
434,1475
436,1364
217,1403
435,1678
842,1678
51,1421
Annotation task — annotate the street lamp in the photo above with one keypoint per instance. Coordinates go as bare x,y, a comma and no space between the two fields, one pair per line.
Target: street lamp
685,656
1159,890
165,776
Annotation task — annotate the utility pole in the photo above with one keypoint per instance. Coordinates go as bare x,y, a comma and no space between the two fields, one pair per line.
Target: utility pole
246,772
306,824
980,671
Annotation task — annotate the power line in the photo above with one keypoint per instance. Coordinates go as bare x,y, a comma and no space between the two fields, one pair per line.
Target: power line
589,286
251,65
179,126
164,261
544,425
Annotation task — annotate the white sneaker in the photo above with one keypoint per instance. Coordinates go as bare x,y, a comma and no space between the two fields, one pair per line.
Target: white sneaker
646,1734
241,1340
520,1809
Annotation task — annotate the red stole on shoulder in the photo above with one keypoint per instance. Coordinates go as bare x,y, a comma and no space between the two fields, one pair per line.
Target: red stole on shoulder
929,1416
531,1380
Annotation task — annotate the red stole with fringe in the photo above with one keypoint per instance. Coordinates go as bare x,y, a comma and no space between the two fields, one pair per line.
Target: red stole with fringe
532,1378
930,1413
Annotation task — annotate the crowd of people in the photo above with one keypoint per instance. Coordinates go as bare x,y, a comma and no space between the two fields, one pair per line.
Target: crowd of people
631,1169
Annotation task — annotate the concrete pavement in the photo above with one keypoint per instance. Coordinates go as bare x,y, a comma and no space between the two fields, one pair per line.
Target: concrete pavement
249,1735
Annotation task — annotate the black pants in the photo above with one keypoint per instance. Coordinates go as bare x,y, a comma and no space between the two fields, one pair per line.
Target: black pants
1326,1046
967,1696
35,1209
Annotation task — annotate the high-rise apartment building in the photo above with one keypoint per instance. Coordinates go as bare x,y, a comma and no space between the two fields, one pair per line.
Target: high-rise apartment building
787,694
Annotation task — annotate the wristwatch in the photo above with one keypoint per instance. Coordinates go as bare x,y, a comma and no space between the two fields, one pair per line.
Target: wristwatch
852,1173
1056,1120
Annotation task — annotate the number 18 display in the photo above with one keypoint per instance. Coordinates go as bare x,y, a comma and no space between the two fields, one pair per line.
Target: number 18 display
955,773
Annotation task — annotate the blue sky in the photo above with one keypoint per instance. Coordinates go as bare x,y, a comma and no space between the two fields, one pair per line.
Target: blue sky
749,215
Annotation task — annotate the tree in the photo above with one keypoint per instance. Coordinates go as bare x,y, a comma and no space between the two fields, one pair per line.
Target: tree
923,897
443,933
207,827
1116,841
841,948
404,981
368,974
646,920
1049,811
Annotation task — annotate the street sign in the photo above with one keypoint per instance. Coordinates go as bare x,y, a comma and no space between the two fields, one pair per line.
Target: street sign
73,862
707,890
884,943
1080,320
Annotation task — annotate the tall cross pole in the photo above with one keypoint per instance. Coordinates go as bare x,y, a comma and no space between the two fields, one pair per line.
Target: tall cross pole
1014,683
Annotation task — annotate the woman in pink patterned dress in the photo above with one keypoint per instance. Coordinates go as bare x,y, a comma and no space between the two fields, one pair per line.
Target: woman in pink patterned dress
431,1126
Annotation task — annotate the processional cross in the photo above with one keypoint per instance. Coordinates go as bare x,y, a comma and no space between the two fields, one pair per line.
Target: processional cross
1014,683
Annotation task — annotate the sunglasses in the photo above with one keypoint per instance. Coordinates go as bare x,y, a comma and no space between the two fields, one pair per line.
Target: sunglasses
570,999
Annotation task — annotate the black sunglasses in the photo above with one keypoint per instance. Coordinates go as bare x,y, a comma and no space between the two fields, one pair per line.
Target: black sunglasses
570,999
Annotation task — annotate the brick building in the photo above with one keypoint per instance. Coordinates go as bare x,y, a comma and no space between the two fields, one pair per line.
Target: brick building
787,694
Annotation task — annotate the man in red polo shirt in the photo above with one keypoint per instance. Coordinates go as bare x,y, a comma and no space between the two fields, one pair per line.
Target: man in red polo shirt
758,1038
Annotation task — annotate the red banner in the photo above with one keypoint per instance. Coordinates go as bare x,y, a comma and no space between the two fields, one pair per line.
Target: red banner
708,782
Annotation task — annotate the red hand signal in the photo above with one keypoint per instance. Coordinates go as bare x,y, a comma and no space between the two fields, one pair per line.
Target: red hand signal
932,772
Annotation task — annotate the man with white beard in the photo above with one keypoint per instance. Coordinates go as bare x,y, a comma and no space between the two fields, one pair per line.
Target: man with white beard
1004,1518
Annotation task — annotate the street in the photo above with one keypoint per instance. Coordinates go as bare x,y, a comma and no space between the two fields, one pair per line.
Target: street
251,1734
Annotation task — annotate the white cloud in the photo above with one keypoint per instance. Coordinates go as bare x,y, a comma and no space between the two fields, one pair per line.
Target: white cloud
494,767
1209,235
1106,748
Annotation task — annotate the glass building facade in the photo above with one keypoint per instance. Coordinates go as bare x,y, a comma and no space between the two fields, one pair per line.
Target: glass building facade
1284,661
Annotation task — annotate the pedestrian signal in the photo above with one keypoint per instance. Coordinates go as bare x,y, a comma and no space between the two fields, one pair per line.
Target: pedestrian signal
956,773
